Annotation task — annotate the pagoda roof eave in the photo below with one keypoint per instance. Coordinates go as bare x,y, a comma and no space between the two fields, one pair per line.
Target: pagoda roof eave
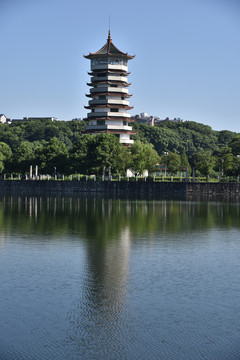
119,72
95,56
108,93
110,82
116,106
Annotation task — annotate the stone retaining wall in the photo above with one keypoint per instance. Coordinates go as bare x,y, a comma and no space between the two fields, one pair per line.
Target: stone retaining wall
123,188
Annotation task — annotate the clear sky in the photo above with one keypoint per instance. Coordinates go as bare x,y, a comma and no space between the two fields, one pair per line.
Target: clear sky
187,60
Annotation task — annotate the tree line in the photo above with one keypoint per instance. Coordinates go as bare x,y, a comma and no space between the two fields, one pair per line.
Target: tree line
65,146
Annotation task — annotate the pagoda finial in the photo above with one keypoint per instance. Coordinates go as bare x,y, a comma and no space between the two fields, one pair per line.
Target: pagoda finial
109,40
109,27
109,36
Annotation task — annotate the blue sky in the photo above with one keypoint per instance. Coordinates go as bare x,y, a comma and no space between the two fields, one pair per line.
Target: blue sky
187,60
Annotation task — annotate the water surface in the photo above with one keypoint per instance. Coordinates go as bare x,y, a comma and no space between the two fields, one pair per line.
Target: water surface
86,278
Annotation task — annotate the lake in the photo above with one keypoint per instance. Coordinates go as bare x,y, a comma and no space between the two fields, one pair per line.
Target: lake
94,278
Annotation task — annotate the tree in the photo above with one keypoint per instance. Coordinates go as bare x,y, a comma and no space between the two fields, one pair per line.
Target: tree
203,161
51,131
173,162
23,157
184,162
103,151
235,145
53,155
225,161
123,160
5,155
236,166
78,161
144,157
5,150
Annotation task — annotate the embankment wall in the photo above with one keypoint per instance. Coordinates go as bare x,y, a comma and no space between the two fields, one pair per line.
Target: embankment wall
189,190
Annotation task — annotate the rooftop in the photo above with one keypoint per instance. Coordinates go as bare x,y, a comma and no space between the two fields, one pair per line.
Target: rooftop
109,49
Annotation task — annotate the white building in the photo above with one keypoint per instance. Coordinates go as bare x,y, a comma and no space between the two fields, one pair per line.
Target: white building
109,94
3,118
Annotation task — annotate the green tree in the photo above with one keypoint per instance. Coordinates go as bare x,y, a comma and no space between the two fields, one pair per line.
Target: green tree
144,157
23,157
123,160
203,161
5,150
5,156
184,162
236,166
78,155
53,155
103,151
235,145
173,162
225,161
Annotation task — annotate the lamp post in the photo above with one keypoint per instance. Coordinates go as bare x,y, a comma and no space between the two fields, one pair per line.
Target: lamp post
55,173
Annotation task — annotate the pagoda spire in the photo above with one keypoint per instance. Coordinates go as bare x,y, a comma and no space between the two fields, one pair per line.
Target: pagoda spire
109,40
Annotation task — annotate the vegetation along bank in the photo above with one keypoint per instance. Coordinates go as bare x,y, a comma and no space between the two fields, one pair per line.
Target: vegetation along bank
65,148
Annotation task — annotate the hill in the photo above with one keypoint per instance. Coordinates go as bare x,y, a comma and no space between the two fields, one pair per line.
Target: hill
190,136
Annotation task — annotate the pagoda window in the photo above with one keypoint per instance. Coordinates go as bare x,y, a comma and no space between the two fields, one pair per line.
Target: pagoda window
124,123
113,86
111,61
100,122
101,97
99,61
93,110
113,110
122,97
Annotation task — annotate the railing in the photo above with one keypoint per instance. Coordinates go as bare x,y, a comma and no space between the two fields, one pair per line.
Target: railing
80,177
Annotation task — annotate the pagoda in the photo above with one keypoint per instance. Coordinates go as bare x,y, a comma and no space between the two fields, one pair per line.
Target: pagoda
109,93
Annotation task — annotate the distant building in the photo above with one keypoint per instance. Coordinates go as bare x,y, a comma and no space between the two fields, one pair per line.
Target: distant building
153,120
109,94
149,120
3,118
144,115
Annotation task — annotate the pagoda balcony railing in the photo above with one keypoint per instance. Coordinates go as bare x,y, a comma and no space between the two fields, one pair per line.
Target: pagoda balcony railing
109,78
109,89
126,141
108,101
108,113
108,66
109,127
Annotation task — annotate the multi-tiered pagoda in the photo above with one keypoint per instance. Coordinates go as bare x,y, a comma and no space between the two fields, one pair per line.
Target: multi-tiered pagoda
109,93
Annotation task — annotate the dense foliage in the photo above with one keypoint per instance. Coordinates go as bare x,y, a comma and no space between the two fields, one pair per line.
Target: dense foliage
64,146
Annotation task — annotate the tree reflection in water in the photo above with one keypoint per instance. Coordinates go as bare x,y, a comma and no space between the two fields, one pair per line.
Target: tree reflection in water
103,220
